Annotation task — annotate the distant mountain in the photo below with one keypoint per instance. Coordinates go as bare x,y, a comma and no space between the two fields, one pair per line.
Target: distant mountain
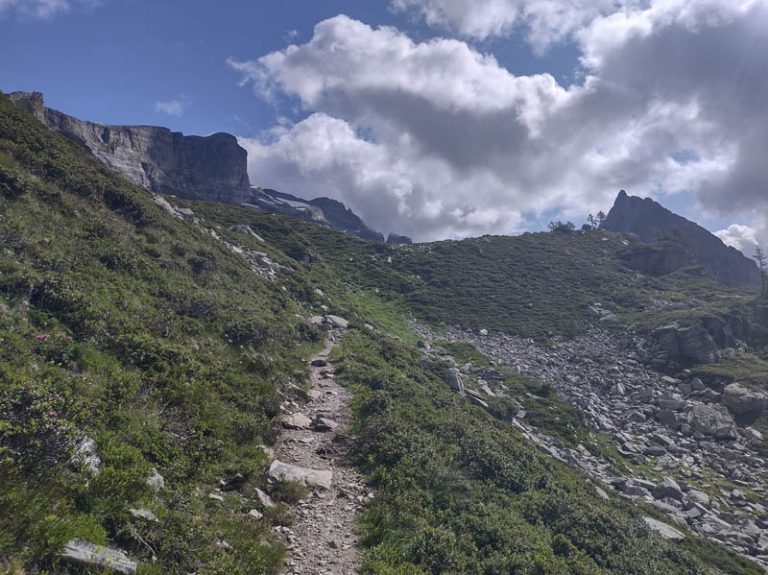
210,168
673,242
321,210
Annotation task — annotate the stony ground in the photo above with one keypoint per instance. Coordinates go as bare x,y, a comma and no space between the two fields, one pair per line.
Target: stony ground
682,450
323,540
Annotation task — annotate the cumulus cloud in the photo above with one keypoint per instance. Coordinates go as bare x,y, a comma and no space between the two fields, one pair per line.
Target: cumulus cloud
741,237
173,108
544,21
437,139
43,9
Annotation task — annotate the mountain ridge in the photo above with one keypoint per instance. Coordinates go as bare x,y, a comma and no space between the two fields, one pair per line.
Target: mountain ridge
673,242
152,349
209,168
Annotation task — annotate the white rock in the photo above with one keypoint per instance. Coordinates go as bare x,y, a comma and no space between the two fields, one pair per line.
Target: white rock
336,321
666,531
264,499
156,481
319,478
297,421
142,513
87,553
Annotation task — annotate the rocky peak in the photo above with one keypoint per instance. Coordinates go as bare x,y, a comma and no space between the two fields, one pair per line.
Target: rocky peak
32,102
674,242
210,168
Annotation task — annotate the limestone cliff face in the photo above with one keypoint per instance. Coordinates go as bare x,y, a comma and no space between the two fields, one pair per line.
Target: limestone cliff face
674,242
212,168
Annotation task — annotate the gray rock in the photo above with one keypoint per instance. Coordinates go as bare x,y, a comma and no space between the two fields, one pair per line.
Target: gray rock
663,529
296,421
668,418
324,424
85,458
713,420
687,343
454,381
636,417
668,488
336,321
671,403
745,404
144,514
632,488
87,553
156,481
694,496
264,499
318,478
601,493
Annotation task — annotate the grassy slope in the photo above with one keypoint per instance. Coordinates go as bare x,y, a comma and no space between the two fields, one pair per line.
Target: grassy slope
460,490
149,336
136,329
533,285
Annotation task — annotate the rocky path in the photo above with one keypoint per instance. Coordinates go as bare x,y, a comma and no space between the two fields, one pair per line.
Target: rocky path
314,449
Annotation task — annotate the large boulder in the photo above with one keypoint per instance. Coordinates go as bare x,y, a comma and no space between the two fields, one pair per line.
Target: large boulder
317,478
687,343
668,488
336,322
711,420
745,404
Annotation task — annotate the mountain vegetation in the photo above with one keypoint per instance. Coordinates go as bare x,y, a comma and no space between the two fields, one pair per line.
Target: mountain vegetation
146,349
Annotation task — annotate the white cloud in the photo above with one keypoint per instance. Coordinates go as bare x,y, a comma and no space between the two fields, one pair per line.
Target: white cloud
741,237
43,9
437,139
173,108
544,21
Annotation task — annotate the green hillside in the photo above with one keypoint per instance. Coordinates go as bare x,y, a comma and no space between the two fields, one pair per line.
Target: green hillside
148,335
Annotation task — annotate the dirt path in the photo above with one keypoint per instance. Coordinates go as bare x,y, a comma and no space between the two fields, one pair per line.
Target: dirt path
322,540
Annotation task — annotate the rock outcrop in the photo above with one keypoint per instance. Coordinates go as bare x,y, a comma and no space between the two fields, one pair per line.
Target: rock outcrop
398,239
210,168
319,210
89,554
745,404
672,242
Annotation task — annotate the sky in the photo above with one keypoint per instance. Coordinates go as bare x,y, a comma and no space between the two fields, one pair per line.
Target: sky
434,118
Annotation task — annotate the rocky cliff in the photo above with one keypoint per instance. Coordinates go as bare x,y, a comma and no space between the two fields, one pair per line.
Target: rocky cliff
674,242
210,168
320,210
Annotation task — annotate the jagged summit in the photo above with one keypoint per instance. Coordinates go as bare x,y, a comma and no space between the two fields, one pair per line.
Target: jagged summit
677,242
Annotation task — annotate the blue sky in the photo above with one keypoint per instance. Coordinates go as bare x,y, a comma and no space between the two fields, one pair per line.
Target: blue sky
113,62
462,117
